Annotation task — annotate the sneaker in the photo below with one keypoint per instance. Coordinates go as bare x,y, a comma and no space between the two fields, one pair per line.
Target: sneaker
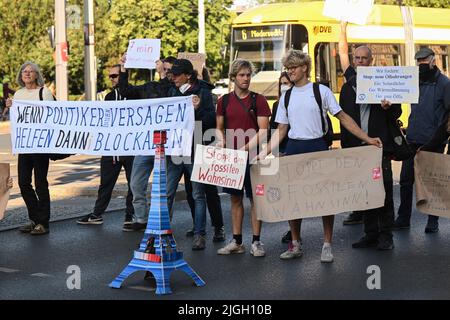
401,223
135,226
232,247
257,249
292,252
219,234
90,219
190,233
199,242
353,218
326,256
128,220
287,237
385,244
39,230
365,242
27,228
432,226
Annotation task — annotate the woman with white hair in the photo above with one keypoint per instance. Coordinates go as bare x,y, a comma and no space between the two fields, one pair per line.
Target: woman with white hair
32,87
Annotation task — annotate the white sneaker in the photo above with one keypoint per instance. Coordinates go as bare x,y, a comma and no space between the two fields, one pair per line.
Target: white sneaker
232,247
326,256
257,249
293,251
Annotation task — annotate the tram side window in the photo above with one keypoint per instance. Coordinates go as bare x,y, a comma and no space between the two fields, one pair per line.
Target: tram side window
328,68
442,56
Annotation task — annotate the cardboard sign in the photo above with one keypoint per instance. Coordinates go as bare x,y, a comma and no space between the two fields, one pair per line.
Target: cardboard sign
143,53
197,59
432,178
355,11
219,166
4,190
319,184
396,84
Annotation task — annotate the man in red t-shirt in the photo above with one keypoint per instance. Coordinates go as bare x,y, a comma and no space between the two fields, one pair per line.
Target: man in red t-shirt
245,117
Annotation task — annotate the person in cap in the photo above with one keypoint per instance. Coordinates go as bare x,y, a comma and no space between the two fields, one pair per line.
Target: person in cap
186,83
425,117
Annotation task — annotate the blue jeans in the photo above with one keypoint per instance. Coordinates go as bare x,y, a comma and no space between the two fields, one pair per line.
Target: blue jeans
142,168
174,173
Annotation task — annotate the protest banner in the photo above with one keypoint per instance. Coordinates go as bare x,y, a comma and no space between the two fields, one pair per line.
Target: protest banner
355,11
319,184
432,177
4,190
143,53
102,127
198,60
395,84
219,166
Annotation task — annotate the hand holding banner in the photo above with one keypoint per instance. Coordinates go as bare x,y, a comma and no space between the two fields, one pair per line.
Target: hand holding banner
143,53
355,11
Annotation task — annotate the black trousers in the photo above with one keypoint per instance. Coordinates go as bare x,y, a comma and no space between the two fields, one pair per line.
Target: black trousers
378,222
212,201
109,172
37,202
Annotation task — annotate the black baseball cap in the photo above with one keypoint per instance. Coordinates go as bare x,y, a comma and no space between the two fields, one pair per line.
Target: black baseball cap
182,66
423,53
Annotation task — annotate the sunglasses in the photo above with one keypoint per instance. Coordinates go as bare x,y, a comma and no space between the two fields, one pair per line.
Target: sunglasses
113,76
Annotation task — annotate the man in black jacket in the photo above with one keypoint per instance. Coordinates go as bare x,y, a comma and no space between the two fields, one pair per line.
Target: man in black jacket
373,120
142,165
185,84
110,167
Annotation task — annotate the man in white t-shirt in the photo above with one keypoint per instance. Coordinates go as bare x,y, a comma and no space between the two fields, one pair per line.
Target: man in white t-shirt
306,134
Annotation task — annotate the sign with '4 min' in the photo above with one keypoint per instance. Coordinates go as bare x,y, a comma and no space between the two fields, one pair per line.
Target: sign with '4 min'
395,84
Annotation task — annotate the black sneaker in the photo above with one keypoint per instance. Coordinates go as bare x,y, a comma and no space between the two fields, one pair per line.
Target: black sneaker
385,244
219,234
353,218
27,228
128,220
432,226
400,224
190,233
135,226
90,219
287,237
365,242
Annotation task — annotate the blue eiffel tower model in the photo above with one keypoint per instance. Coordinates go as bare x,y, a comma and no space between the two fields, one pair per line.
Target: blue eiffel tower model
157,252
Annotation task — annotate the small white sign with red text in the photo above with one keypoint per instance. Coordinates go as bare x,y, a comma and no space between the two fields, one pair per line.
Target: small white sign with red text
219,166
143,53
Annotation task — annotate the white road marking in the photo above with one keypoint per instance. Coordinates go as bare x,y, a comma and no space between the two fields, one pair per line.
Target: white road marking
7,270
41,275
142,288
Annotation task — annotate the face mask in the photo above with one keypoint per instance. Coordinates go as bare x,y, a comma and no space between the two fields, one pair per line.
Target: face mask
284,88
184,88
424,68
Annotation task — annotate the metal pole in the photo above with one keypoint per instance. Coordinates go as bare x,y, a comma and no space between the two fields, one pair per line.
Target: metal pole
90,74
201,26
61,54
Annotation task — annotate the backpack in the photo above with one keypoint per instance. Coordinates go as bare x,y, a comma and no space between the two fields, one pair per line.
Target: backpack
53,156
252,110
327,134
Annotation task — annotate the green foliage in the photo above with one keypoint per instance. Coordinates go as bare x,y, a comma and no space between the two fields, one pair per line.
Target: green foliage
23,28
